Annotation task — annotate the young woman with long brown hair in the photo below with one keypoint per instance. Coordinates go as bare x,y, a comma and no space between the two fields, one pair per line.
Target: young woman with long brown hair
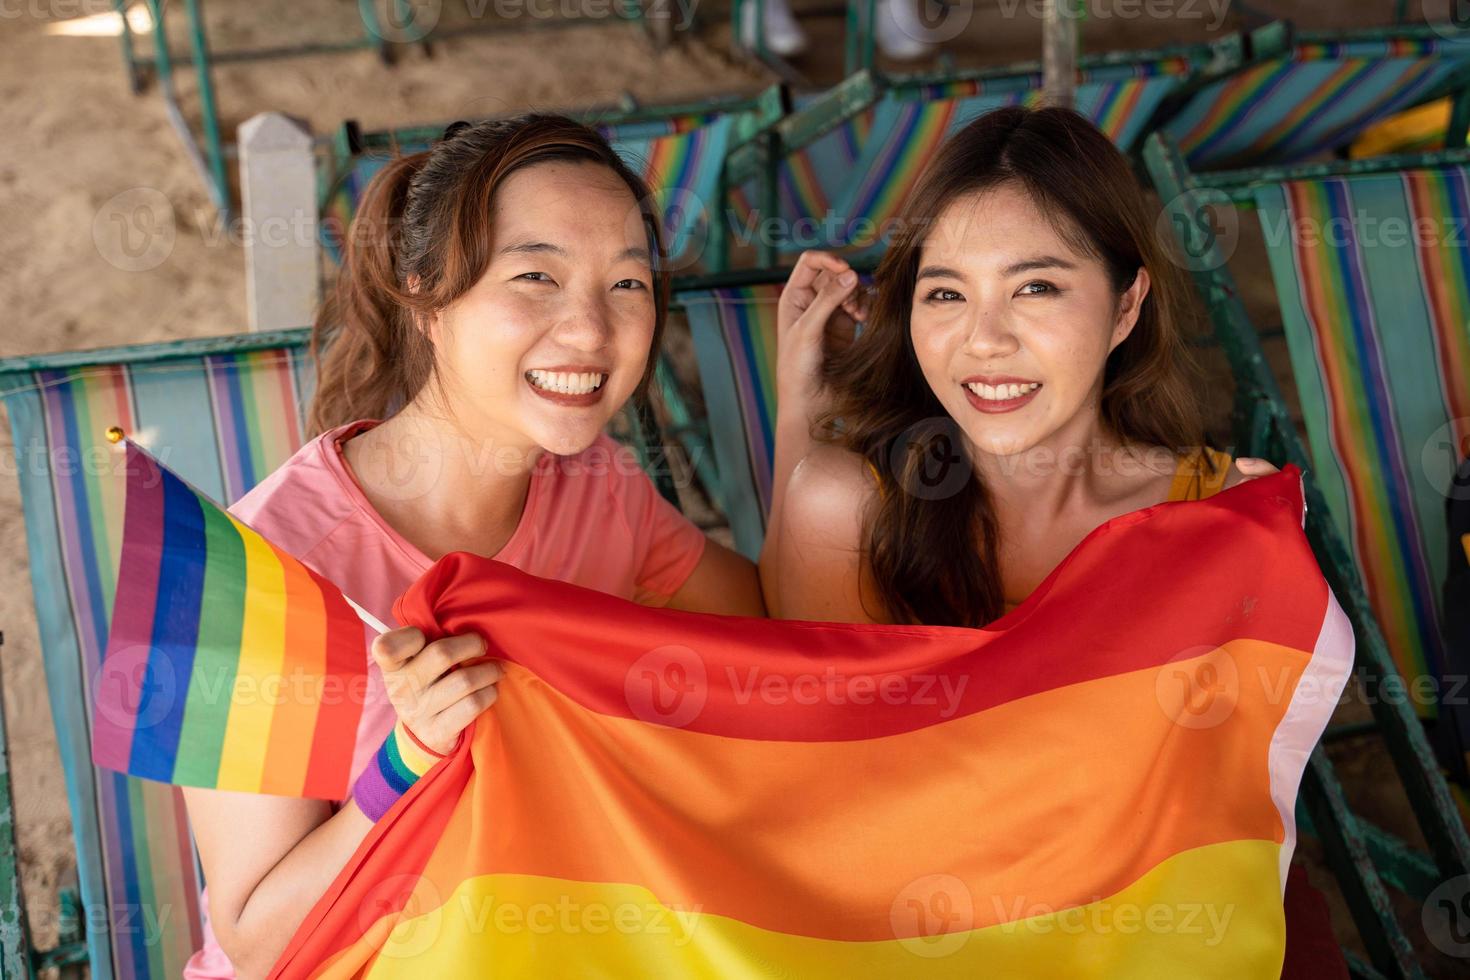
502,297
1022,376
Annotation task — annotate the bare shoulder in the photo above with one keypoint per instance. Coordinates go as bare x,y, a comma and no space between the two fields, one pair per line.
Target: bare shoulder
829,493
819,558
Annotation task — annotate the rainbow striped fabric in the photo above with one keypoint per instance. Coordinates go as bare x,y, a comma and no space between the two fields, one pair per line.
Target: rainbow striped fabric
1371,274
230,664
806,178
683,169
222,421
734,334
908,130
1091,786
1320,96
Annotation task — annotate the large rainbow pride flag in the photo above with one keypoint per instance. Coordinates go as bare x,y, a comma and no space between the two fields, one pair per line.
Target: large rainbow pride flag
1100,783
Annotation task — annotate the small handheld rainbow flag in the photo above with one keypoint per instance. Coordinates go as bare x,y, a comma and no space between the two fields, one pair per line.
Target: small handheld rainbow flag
230,664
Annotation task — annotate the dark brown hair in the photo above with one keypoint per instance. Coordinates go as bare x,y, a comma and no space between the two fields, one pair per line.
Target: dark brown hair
922,546
425,218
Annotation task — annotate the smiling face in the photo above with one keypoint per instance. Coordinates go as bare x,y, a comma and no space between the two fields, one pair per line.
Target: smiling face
553,339
1012,324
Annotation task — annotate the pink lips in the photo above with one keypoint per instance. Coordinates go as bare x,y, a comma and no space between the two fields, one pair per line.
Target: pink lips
569,400
998,407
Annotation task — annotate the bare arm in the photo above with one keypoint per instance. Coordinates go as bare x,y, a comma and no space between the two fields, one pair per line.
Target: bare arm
723,582
820,570
268,859
819,309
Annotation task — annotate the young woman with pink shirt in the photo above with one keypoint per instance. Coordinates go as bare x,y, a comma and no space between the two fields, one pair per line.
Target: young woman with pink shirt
501,299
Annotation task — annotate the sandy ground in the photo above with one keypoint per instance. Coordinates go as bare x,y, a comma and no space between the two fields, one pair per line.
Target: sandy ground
74,137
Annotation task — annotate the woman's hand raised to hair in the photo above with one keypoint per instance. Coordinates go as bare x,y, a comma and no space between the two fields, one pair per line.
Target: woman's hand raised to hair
817,317
437,688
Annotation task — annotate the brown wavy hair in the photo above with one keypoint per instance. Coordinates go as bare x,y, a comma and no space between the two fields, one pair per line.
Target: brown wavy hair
921,546
425,219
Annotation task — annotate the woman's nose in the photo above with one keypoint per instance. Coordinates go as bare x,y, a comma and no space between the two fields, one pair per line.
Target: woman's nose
585,325
990,333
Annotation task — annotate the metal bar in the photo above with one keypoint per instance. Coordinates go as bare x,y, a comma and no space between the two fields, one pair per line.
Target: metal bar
770,208
162,63
868,39
199,44
608,115
15,936
857,47
1226,51
1410,32
1399,865
1359,970
1347,853
645,436
800,129
692,434
761,51
170,101
1240,184
1455,132
130,57
190,145
1059,53
239,55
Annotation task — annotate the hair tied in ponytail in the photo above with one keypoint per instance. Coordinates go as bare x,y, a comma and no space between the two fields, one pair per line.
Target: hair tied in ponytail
454,129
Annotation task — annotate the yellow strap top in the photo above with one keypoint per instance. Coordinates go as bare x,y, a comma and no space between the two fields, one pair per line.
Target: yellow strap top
1192,479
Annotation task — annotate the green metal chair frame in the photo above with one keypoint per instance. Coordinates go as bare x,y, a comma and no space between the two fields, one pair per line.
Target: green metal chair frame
1363,856
210,160
1280,42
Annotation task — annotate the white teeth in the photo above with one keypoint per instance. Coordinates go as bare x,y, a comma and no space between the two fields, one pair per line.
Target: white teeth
567,383
1000,393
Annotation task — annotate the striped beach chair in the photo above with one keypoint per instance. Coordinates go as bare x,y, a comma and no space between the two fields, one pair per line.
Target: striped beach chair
733,327
679,151
222,413
734,334
805,177
1378,326
1370,262
846,159
1303,93
910,125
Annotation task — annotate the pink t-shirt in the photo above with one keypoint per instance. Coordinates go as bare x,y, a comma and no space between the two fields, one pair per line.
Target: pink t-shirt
594,519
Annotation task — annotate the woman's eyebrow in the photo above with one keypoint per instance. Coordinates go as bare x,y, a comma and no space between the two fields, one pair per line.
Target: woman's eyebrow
636,252
529,248
1037,262
938,272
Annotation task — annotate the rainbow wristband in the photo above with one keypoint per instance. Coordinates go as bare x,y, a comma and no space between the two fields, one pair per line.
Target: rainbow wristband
398,764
